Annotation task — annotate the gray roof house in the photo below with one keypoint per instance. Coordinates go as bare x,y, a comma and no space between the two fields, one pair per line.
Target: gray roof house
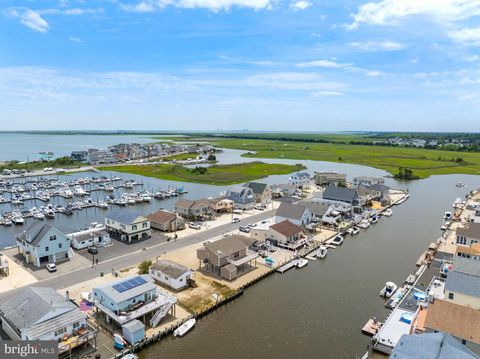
468,235
463,283
127,226
262,191
242,197
40,313
317,209
330,179
195,209
383,192
171,274
341,194
431,346
41,243
296,213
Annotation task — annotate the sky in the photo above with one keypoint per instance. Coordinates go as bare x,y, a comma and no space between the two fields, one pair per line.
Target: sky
287,65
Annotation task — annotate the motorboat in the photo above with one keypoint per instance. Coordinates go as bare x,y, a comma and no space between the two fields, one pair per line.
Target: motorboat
447,216
50,213
388,290
374,219
109,188
353,231
18,219
364,224
118,341
302,262
460,184
7,222
38,215
103,204
338,240
388,212
79,191
184,328
322,253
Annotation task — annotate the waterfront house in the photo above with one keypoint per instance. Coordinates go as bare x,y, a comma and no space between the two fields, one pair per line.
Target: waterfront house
367,181
40,313
466,236
287,235
472,252
4,267
300,180
365,196
457,320
341,194
133,297
333,179
295,213
171,274
41,243
221,205
166,221
382,193
463,283
96,236
127,226
317,209
262,191
283,190
242,197
196,210
431,346
228,257
79,156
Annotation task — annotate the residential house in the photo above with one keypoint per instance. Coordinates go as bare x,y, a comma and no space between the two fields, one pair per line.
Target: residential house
300,180
97,236
228,257
166,221
333,179
295,213
198,209
466,236
382,193
41,243
457,320
262,191
367,181
79,156
283,190
133,297
472,252
242,197
317,209
431,346
221,205
287,235
40,313
171,274
463,283
127,226
365,196
342,194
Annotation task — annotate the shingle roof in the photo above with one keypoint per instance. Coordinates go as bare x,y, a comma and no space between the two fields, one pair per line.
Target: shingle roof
256,187
130,293
125,217
467,266
317,208
302,174
431,346
463,283
34,233
457,320
32,304
286,228
134,325
472,231
184,203
162,216
293,211
340,194
171,269
379,187
226,246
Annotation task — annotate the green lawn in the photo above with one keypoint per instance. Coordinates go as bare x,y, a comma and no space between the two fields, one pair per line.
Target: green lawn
215,175
423,162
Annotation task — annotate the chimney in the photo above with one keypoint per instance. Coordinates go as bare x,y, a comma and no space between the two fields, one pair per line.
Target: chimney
67,295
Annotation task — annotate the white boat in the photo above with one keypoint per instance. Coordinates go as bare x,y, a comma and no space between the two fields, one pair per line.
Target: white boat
109,188
38,215
374,219
388,212
184,328
103,204
338,240
18,219
364,224
460,184
302,262
322,253
353,231
67,192
388,290
79,191
447,216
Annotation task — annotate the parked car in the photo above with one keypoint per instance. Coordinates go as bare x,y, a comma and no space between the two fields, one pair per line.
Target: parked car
235,220
194,225
93,250
252,225
244,229
51,267
260,207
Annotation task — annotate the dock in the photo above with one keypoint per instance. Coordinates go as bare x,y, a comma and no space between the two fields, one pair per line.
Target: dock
287,266
372,327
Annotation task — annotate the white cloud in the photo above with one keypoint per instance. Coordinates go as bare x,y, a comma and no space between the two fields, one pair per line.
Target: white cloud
328,93
75,39
390,12
467,36
300,5
214,5
378,45
472,58
374,73
325,64
34,21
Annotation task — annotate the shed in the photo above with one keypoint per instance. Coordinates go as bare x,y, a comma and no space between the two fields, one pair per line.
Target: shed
133,331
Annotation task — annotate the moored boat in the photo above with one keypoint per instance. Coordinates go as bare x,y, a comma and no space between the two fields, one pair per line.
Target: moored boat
388,290
184,328
302,262
322,253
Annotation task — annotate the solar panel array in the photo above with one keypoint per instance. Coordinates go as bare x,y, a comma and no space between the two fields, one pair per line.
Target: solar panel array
129,284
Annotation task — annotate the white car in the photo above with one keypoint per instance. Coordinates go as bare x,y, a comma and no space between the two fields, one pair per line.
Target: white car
195,225
51,267
235,220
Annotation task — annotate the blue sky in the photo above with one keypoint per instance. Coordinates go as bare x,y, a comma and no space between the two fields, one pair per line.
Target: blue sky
240,64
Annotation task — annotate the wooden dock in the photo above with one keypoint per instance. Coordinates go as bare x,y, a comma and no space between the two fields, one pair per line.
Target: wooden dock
372,327
287,266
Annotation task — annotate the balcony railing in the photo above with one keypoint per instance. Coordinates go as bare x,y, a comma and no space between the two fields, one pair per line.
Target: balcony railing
76,340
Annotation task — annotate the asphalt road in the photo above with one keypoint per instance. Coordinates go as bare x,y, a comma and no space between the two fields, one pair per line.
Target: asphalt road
81,275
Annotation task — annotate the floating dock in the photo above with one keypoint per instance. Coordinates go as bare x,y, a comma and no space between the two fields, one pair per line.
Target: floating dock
372,327
287,266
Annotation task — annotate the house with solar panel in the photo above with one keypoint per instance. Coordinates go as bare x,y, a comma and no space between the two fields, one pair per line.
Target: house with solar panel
133,298
127,227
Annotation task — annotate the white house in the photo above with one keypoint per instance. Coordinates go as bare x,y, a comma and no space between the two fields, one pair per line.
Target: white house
466,236
300,180
367,181
171,274
97,236
127,226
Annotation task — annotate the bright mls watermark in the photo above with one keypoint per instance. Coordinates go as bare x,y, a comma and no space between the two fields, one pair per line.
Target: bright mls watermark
29,349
